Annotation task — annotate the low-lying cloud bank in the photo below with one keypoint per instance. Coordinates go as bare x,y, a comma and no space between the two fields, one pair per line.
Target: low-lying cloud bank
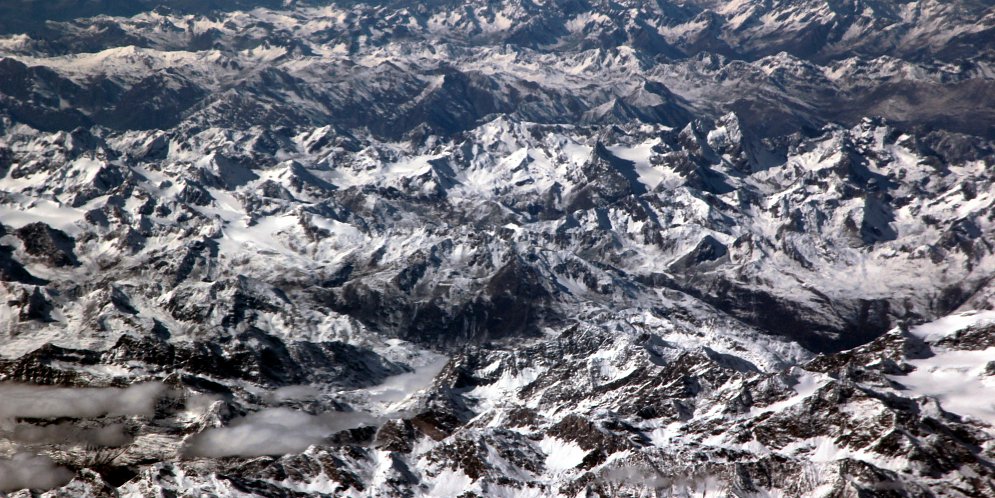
398,387
275,431
25,401
113,435
26,471
279,431
28,401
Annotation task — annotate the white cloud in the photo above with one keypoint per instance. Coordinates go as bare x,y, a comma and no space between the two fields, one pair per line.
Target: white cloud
294,393
113,435
398,387
279,431
32,472
31,401
274,431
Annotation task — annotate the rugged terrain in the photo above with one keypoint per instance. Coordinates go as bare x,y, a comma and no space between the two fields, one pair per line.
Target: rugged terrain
509,248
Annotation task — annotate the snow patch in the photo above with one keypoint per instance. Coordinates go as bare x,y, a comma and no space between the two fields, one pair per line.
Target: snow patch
561,455
958,380
948,325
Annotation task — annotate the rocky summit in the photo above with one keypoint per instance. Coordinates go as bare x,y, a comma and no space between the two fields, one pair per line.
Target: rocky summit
497,248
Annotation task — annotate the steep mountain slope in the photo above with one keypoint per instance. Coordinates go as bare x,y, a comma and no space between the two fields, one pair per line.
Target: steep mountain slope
499,249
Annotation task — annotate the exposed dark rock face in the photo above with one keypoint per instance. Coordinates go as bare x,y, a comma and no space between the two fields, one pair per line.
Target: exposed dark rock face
12,270
34,306
51,245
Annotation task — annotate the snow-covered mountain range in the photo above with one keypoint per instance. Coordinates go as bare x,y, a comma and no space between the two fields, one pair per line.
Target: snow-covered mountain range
502,248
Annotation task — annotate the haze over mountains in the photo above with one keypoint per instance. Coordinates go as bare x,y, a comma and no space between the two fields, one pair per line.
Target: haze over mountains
520,248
